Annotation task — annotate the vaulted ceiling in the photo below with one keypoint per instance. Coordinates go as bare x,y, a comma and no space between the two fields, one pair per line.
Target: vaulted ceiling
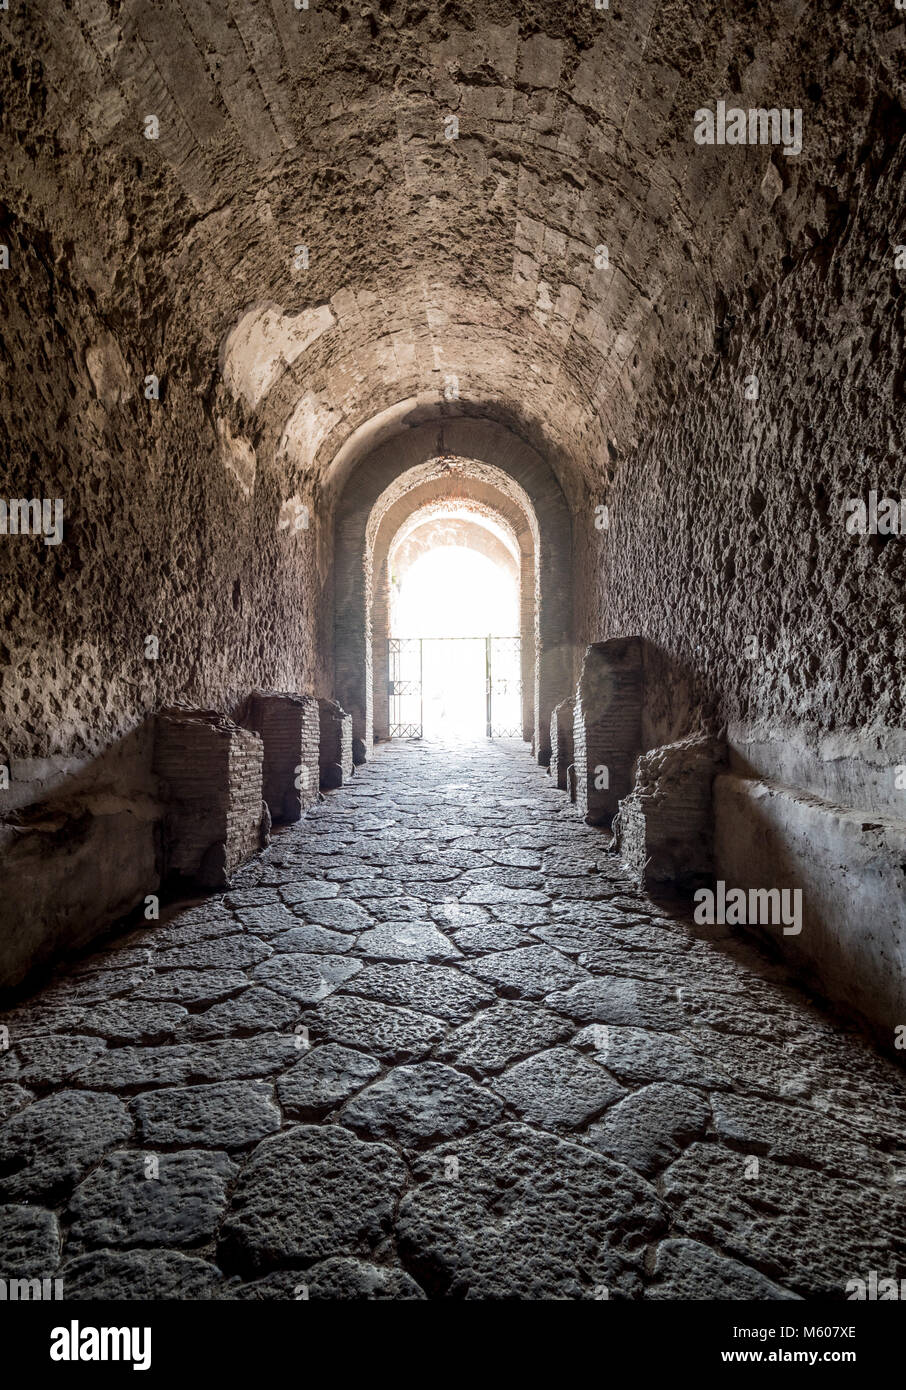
458,270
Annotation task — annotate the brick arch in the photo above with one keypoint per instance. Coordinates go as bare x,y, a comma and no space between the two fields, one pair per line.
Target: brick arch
453,524
448,451
488,490
428,501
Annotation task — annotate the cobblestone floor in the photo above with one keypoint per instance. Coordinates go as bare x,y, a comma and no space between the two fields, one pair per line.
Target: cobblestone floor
523,1079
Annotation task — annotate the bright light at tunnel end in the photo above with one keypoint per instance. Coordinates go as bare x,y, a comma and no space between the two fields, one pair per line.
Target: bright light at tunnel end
455,593
452,591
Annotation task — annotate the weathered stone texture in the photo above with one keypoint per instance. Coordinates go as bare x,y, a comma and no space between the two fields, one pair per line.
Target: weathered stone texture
289,728
607,725
848,865
336,744
229,433
70,868
350,1187
664,829
211,774
562,745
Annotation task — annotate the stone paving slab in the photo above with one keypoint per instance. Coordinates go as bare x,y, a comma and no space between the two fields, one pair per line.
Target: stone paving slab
310,1193
49,1061
255,1010
438,990
140,1275
484,1220
558,1089
226,1115
649,1128
138,1197
29,1241
506,1032
339,1278
418,1105
434,1043
685,1269
797,1225
394,1034
531,972
306,977
323,1078
13,1098
134,1021
419,941
50,1144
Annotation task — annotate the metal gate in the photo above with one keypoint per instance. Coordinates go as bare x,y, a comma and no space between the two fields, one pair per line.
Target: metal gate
404,687
504,687
503,684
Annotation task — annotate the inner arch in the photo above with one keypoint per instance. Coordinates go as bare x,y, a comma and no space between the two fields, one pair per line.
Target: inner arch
493,506
440,458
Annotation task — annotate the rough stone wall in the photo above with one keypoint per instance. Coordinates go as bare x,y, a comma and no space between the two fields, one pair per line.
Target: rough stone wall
727,547
576,131
211,781
607,726
290,729
161,511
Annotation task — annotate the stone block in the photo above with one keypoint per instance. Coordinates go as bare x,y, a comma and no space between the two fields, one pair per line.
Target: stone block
664,829
562,717
289,727
71,867
848,866
336,744
607,726
211,783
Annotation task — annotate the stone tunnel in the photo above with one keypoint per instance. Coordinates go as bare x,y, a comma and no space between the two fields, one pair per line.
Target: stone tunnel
333,337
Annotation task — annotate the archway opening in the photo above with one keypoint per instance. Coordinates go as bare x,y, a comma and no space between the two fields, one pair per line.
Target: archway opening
455,614
384,490
450,508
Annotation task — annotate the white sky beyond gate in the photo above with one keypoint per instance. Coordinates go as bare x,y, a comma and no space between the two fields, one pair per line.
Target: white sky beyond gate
453,593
